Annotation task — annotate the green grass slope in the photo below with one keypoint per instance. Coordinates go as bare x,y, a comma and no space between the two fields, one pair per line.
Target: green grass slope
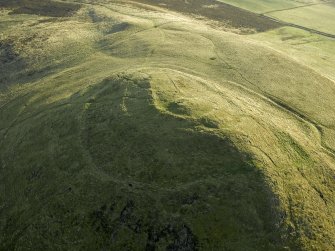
127,126
312,15
263,6
319,17
312,50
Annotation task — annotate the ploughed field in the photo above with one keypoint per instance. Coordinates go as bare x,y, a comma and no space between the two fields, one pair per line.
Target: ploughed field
164,125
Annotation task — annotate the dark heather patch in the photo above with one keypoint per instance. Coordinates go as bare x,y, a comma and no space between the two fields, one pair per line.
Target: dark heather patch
172,235
7,53
43,8
234,16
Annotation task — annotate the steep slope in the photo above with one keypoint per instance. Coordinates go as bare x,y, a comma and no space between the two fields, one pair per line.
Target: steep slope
125,126
116,166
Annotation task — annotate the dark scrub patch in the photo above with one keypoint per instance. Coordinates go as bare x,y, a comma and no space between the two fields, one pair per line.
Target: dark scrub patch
226,13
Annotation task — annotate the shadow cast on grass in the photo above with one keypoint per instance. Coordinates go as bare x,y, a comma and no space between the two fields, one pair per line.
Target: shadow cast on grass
106,170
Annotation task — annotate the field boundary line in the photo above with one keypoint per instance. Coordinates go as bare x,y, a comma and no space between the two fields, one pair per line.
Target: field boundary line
292,8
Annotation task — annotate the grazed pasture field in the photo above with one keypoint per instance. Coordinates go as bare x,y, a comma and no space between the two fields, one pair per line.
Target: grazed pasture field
144,125
264,6
319,17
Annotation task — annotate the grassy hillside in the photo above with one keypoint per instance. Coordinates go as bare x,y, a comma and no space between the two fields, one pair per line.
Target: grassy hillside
137,126
315,15
319,17
261,6
312,50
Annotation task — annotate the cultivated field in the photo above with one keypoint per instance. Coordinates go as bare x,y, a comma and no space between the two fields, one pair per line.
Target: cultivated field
145,125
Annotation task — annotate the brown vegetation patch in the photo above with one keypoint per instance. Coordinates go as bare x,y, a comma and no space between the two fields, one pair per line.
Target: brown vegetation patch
43,8
214,10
